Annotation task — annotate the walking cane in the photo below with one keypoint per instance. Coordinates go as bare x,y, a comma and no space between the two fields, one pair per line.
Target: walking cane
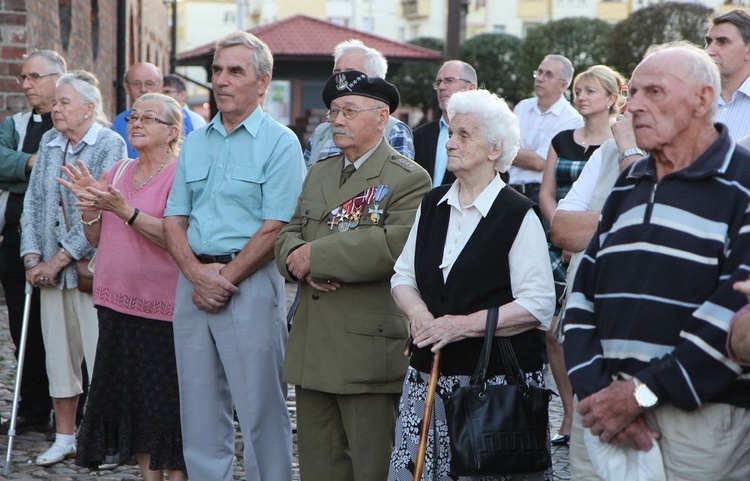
428,403
19,372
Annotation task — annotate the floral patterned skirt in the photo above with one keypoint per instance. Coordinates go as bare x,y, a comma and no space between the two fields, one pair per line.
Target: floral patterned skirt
438,457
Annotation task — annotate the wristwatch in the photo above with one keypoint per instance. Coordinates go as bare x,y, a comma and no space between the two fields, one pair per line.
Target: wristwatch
628,152
644,396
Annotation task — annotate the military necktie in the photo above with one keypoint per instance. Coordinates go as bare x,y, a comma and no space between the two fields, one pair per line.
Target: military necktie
346,173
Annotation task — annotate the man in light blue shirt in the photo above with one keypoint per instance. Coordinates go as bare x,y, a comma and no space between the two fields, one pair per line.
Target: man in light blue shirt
236,185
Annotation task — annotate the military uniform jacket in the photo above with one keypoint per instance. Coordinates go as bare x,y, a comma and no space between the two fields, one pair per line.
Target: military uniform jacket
351,340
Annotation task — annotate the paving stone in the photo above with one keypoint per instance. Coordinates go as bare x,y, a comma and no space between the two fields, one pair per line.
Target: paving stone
29,445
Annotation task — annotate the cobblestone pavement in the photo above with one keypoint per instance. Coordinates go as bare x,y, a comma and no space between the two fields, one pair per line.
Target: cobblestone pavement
27,446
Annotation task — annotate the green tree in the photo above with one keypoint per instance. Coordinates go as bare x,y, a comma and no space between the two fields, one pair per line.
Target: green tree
584,41
665,22
414,79
495,58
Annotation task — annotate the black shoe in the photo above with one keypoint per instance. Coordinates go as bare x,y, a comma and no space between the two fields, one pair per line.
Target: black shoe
25,425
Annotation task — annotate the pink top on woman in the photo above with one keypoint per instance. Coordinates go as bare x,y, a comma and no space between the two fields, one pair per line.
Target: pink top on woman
133,275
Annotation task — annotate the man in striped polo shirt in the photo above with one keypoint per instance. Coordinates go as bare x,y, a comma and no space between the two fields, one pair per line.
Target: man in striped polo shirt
646,324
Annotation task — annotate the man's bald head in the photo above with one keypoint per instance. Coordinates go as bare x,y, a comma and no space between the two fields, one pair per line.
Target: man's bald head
142,78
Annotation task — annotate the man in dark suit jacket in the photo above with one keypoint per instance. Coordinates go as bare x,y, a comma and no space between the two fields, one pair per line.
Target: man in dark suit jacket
430,138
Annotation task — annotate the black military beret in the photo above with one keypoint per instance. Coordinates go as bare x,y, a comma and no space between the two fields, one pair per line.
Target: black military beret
358,83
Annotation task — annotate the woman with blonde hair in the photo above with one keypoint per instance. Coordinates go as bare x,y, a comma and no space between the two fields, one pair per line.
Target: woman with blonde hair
133,405
597,98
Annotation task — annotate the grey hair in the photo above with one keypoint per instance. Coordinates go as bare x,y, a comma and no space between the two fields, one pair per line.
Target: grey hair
53,59
701,67
466,70
498,123
262,56
87,85
567,71
375,66
172,113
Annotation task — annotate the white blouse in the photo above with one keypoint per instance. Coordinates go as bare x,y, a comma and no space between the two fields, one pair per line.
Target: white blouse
530,272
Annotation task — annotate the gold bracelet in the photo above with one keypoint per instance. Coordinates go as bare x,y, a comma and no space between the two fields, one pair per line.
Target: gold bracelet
89,223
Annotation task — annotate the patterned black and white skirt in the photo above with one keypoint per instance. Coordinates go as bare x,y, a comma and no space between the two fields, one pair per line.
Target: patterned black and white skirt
438,458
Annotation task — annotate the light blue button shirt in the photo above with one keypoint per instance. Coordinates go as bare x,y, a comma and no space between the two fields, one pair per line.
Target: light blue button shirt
229,184
441,154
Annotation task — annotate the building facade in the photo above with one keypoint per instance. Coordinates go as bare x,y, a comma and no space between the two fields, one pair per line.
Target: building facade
85,33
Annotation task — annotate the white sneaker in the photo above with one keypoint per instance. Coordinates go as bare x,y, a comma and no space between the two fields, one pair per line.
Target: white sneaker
56,453
107,466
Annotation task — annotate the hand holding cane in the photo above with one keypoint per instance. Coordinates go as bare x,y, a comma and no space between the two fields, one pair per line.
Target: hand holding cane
428,403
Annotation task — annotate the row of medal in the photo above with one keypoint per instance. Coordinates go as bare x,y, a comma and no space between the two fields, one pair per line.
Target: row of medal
347,215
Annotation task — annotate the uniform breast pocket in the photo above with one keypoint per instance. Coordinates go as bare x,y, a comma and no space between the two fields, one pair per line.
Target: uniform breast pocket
313,215
245,185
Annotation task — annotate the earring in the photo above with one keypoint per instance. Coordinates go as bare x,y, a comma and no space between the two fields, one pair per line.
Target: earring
86,116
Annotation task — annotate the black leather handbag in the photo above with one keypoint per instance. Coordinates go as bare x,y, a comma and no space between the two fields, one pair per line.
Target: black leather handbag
498,430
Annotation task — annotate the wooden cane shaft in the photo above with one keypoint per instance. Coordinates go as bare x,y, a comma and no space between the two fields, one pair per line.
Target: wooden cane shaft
428,403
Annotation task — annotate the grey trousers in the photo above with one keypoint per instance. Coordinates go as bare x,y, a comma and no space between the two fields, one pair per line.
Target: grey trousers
234,358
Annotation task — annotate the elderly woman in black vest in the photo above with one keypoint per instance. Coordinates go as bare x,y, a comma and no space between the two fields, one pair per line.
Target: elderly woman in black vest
475,244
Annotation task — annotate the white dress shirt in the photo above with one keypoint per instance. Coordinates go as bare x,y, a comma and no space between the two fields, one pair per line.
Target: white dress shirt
530,273
735,114
537,130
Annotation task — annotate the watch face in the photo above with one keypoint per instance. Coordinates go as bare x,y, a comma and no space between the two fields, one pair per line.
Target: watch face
645,397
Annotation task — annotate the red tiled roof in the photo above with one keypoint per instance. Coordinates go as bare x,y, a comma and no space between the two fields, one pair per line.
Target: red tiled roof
303,36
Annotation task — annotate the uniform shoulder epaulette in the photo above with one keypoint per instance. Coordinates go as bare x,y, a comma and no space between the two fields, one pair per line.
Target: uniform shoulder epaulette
404,162
329,157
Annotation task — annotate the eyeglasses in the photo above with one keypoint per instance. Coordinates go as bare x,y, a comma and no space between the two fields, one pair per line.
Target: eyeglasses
545,74
448,81
33,77
350,113
170,91
145,119
150,84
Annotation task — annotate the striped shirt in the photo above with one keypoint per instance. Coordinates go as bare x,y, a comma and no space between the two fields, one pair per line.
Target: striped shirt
653,297
735,114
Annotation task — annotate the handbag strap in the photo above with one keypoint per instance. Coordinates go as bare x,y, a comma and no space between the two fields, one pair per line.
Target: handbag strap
480,373
121,170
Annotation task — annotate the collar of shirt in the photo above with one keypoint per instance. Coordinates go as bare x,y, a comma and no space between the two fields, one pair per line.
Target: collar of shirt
443,124
744,90
251,123
59,140
556,109
483,202
358,163
713,161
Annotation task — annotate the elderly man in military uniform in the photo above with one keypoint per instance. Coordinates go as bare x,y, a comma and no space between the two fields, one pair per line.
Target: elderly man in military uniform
345,349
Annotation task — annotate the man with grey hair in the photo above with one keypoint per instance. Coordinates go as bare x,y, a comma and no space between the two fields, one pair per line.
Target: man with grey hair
236,185
728,44
646,348
141,78
20,135
355,55
430,138
541,118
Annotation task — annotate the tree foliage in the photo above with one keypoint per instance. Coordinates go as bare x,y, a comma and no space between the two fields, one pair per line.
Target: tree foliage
584,41
495,58
414,79
665,22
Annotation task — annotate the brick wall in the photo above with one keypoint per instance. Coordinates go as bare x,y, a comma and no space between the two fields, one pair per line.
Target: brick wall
85,33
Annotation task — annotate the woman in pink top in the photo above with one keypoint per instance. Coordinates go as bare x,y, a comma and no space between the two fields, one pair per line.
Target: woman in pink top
133,404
